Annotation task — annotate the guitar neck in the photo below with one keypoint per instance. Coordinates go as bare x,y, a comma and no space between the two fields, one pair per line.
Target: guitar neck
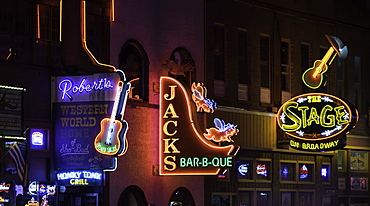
327,56
116,101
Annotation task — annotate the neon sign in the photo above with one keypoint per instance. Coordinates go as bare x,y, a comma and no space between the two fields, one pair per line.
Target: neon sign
68,88
316,121
79,177
303,172
183,149
261,170
243,169
4,187
199,97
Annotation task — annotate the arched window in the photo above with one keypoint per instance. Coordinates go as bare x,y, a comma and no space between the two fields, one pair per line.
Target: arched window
181,196
181,66
134,62
132,196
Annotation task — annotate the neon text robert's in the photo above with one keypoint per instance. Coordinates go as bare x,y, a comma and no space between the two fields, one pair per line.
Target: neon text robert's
68,88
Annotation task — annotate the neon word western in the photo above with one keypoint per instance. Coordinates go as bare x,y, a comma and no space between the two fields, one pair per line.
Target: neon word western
68,88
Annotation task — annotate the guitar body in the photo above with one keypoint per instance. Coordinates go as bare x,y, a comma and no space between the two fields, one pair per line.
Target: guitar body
108,141
313,77
122,136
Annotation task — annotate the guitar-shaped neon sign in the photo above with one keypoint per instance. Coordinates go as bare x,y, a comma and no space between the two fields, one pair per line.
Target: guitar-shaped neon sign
111,139
313,77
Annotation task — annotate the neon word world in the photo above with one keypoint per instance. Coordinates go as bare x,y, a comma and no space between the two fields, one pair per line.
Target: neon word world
316,121
183,149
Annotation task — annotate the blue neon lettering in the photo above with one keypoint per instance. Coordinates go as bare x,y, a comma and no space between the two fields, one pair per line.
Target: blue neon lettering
68,88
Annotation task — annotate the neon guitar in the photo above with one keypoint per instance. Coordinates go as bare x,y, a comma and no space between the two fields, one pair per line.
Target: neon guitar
113,131
313,77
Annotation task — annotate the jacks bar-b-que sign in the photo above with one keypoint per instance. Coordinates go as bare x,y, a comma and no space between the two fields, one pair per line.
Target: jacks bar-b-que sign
183,149
317,121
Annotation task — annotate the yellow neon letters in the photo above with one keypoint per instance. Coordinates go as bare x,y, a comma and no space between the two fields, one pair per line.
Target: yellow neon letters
308,116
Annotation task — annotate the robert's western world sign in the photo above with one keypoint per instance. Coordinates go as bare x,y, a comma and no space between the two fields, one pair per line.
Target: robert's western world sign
183,149
317,121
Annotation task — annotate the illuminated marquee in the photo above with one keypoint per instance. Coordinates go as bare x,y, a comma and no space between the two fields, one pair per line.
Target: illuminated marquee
183,149
317,121
80,177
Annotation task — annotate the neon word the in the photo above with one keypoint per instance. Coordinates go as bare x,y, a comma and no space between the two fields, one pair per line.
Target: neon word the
68,88
205,162
243,169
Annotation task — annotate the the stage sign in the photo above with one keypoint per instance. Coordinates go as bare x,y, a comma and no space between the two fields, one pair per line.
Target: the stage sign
317,121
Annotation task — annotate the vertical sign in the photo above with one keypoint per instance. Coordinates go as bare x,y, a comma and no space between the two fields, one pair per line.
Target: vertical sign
183,149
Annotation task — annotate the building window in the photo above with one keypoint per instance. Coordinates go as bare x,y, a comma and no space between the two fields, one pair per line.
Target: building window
48,22
219,51
181,66
357,81
359,161
245,198
288,171
325,173
15,31
306,172
134,62
265,69
219,60
306,198
263,170
305,63
323,87
288,198
340,77
245,170
221,200
359,183
285,56
242,64
342,160
263,198
285,65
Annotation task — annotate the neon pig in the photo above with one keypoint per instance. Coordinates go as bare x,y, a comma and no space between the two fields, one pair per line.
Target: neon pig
68,88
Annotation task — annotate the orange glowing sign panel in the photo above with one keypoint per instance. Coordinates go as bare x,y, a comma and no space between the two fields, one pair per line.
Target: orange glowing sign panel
183,149
317,121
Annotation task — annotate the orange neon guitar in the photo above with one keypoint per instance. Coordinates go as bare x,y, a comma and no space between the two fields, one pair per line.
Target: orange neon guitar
111,138
313,77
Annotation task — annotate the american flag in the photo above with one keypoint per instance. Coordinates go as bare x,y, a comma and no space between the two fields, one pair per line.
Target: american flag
17,153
